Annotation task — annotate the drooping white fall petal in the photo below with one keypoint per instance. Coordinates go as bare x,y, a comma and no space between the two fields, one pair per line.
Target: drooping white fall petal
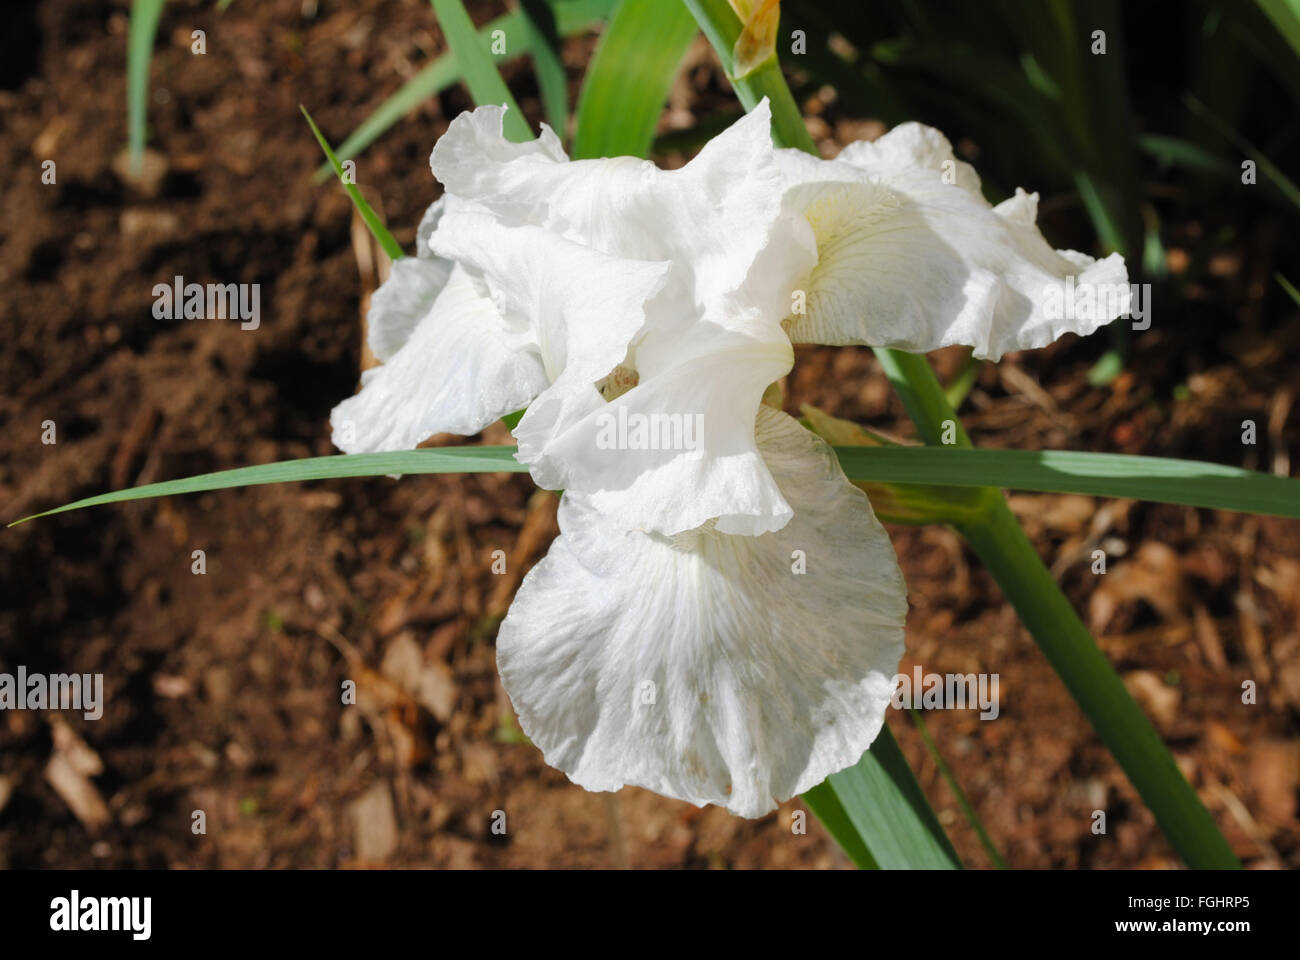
711,218
703,666
911,255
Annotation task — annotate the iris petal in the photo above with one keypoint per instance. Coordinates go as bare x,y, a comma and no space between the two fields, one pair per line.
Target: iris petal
455,373
705,666
910,255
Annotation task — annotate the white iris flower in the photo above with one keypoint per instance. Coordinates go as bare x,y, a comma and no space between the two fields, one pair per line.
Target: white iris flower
721,617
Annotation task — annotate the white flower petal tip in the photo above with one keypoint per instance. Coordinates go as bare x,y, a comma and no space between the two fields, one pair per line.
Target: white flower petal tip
475,140
910,255
911,146
732,670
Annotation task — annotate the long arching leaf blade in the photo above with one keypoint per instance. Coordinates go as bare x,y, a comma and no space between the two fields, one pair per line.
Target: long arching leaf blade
477,66
440,460
629,78
1192,483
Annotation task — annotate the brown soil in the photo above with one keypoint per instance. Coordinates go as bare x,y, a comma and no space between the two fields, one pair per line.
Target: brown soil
223,690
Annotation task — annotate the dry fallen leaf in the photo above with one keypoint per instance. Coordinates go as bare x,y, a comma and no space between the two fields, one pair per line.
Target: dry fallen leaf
1157,698
69,770
374,824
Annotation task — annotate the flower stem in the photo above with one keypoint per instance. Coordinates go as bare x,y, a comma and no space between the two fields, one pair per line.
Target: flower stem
1001,543
722,27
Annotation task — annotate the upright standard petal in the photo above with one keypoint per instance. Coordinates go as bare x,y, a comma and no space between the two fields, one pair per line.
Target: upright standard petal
712,668
711,218
910,255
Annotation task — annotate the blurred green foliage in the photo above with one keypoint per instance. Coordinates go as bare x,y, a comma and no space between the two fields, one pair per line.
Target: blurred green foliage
1090,98
1127,110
